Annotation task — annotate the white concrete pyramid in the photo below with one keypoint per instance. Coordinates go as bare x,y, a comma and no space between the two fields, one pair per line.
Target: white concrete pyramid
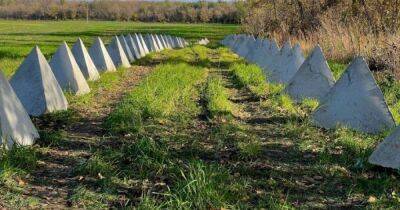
126,48
314,78
167,40
100,56
164,40
144,45
162,44
150,43
175,42
84,61
16,126
158,41
67,71
36,86
138,45
255,46
154,41
289,63
355,101
274,47
133,46
171,42
245,47
387,154
117,54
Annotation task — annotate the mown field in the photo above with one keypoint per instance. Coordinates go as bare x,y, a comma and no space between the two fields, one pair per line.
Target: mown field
195,128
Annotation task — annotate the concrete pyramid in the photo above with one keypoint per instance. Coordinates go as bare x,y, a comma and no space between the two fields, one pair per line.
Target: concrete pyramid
355,101
158,42
245,47
387,154
141,52
255,46
144,45
67,71
16,126
117,53
175,42
170,42
135,49
100,56
164,40
289,62
314,78
167,41
126,48
152,43
274,47
162,44
36,86
84,61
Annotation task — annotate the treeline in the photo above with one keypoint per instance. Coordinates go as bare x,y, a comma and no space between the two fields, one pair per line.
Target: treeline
204,12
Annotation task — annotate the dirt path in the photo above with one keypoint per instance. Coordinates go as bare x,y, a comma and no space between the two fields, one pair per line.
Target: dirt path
281,160
53,181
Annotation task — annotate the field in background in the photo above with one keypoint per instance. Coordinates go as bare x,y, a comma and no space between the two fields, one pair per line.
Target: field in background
17,38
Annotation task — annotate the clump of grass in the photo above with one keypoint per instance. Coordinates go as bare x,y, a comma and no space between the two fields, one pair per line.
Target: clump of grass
308,105
391,90
336,68
24,158
250,147
86,198
170,92
144,157
15,164
217,98
95,166
284,103
201,186
251,76
275,89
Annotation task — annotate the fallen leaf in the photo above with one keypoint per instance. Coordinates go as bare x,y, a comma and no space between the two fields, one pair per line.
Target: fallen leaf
100,176
372,199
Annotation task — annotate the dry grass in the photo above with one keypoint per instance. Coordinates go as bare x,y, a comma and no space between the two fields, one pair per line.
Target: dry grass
342,43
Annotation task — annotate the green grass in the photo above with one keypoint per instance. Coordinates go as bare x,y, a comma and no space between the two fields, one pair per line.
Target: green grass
19,37
337,68
166,93
170,157
252,77
216,97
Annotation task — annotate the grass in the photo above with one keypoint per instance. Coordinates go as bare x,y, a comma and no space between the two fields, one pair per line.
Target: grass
19,37
216,97
162,153
167,93
252,77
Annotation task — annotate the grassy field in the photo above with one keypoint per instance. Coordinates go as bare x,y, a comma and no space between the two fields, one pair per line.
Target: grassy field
194,128
17,38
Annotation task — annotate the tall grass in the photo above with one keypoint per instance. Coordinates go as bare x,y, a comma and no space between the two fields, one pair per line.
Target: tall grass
170,92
